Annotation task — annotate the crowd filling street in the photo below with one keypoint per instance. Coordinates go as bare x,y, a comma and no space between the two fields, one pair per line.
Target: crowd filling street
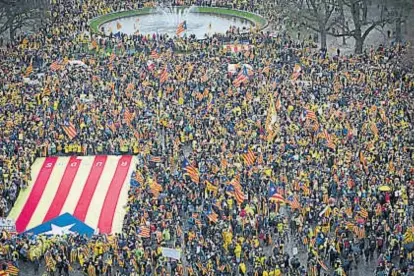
274,159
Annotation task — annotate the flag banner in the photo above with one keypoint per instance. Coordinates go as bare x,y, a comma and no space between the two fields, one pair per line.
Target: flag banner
274,195
242,77
181,28
55,66
8,225
311,115
249,157
296,72
70,130
156,159
235,48
233,68
29,70
191,170
128,116
154,54
212,216
144,232
171,253
164,75
12,270
93,189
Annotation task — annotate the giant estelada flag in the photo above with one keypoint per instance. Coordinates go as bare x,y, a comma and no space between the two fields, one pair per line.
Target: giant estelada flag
93,189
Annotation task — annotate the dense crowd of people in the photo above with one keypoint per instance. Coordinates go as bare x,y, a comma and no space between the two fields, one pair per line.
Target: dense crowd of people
304,167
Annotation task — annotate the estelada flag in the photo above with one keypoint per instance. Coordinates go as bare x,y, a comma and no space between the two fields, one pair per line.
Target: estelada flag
70,130
93,189
181,28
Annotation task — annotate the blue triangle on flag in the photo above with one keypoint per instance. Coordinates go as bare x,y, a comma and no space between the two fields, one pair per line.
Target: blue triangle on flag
272,189
65,224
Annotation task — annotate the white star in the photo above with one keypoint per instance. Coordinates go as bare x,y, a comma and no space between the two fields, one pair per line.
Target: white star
58,230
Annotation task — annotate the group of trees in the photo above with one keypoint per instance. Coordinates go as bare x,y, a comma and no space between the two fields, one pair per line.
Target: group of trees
15,14
349,18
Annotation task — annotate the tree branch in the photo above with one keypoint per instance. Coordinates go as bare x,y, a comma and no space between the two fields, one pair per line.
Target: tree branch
368,30
349,33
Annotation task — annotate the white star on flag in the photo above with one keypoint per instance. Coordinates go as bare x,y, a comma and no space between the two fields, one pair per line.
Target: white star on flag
60,230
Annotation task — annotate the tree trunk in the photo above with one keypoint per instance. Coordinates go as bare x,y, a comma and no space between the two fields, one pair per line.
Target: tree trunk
398,30
323,37
12,33
358,48
343,27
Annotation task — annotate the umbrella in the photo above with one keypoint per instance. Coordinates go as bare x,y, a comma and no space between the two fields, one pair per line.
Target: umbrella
385,188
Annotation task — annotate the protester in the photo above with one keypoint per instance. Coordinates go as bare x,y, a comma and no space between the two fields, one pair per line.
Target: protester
310,151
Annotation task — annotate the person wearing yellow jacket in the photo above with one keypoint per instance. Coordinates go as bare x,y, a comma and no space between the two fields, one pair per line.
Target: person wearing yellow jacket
277,271
237,251
227,236
242,269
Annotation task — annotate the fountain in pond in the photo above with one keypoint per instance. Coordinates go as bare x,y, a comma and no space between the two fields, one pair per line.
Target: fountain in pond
165,20
175,14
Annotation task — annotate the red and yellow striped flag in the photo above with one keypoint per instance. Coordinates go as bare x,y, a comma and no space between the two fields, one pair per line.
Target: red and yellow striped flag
12,270
249,157
139,177
374,129
128,116
363,213
239,195
213,216
329,140
29,70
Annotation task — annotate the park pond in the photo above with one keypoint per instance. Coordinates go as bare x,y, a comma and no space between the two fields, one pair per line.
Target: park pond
166,21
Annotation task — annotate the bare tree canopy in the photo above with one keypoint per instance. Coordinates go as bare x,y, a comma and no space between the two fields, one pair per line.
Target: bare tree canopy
317,15
349,18
366,16
14,14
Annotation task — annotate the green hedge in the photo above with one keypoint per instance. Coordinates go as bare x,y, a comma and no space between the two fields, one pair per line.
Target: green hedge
254,18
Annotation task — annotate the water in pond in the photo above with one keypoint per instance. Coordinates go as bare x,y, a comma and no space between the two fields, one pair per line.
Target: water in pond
198,24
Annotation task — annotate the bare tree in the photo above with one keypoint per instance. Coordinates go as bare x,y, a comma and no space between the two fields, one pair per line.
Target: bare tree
363,22
14,14
314,14
399,11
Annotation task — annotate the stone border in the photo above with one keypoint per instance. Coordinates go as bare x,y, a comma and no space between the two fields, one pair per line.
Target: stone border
96,23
